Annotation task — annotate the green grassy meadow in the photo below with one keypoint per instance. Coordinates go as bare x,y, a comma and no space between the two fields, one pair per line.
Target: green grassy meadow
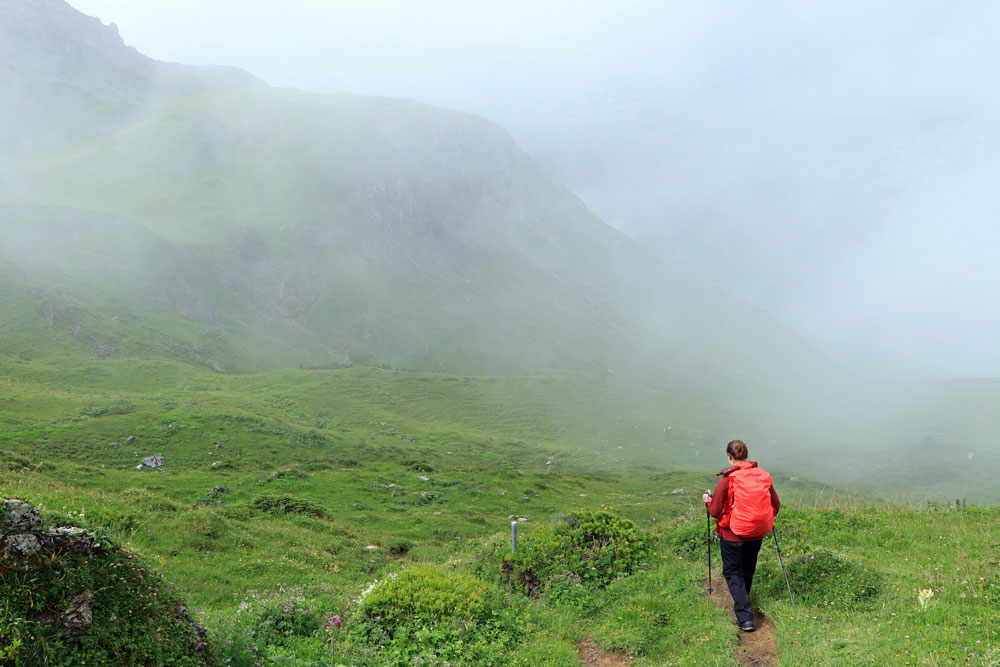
337,478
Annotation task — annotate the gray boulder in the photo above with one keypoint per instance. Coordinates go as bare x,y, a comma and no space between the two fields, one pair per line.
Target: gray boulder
154,461
17,516
80,614
20,545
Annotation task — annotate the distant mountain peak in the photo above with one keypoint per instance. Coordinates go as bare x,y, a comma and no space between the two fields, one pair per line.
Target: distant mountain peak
42,37
68,73
49,39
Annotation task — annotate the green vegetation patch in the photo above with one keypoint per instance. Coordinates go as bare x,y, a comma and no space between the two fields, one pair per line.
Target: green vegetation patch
576,550
822,577
432,612
279,505
14,462
83,600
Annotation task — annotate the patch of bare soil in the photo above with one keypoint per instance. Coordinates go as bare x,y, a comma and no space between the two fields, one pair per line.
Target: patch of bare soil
592,655
758,648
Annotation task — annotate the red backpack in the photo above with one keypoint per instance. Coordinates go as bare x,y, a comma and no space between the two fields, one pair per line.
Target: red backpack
748,510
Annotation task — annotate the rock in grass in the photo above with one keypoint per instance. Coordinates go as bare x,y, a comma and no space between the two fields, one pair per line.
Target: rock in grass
80,614
20,545
154,461
18,516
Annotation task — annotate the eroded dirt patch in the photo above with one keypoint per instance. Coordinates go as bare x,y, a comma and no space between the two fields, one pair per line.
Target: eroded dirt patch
758,648
592,655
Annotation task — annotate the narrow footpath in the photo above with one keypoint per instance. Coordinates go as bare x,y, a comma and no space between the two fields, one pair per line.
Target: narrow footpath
754,649
592,655
758,648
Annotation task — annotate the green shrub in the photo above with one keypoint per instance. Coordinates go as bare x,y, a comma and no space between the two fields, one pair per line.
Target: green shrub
279,619
400,547
428,611
283,626
579,549
281,505
286,474
203,528
688,537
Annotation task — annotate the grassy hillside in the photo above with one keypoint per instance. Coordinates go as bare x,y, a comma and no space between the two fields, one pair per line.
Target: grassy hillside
288,543
61,317
573,422
318,465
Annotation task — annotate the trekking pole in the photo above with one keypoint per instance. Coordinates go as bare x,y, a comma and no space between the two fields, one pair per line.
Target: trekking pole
782,561
708,543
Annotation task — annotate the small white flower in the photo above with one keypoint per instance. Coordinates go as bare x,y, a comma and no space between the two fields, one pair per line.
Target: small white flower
372,586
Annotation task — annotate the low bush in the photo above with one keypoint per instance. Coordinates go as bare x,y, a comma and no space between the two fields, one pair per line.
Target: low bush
431,612
279,619
204,529
286,474
689,536
281,505
284,626
576,550
400,547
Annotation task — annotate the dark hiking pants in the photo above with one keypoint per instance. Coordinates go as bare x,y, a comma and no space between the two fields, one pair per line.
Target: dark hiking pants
739,560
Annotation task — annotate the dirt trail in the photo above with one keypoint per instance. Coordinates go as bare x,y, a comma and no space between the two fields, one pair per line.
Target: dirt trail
592,655
758,648
755,649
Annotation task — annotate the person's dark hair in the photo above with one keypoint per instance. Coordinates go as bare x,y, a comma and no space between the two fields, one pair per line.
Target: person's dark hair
738,450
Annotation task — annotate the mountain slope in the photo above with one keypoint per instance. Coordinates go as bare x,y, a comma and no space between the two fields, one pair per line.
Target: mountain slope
356,230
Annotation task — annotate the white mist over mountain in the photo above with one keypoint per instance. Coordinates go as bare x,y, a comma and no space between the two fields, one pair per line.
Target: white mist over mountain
829,162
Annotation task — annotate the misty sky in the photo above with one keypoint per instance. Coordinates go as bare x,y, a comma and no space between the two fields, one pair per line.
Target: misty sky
832,162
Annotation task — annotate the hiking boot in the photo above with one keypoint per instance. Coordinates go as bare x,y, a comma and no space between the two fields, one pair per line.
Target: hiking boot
747,626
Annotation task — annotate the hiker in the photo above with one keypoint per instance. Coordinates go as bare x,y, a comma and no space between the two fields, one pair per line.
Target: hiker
744,505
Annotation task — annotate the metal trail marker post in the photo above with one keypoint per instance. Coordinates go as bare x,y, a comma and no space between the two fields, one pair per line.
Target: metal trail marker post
513,536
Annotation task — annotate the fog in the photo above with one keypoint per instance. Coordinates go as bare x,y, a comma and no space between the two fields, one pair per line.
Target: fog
829,162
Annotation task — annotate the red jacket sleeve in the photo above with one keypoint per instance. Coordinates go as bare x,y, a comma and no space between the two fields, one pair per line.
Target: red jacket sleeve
717,505
775,503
